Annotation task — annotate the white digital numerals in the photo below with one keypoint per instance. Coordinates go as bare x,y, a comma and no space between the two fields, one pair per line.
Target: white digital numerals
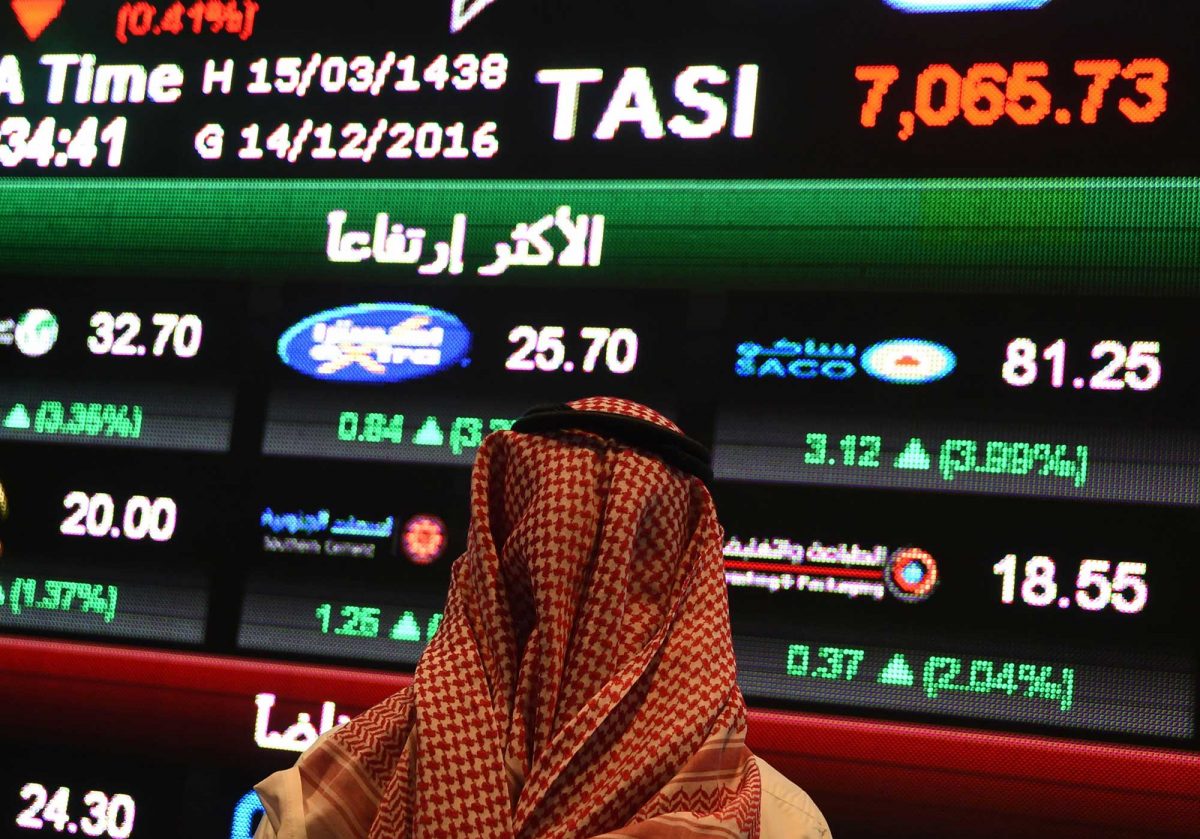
543,349
95,515
1097,585
107,815
1135,366
117,334
364,74
48,144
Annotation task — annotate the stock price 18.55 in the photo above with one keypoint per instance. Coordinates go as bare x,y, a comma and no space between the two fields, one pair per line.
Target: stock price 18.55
1098,585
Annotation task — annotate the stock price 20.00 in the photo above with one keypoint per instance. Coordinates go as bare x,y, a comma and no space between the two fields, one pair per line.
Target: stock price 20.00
1125,590
94,515
543,349
111,816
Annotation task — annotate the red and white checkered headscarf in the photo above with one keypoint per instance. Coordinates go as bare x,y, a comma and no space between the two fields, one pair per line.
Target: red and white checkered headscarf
582,681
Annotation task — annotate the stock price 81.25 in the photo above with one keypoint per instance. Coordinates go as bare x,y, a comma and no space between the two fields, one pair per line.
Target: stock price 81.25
1135,366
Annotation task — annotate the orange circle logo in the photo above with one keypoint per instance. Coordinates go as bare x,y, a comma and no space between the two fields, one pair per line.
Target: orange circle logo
424,539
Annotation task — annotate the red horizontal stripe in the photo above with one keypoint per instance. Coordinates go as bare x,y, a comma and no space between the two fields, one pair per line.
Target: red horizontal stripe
869,777
811,570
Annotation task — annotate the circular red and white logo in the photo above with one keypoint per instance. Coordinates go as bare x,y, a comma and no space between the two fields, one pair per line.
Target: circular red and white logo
911,574
423,539
908,361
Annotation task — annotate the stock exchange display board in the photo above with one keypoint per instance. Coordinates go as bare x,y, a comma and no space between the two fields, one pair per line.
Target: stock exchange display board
924,275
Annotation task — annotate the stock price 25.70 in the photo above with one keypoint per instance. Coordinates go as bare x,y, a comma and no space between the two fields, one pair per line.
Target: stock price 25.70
544,349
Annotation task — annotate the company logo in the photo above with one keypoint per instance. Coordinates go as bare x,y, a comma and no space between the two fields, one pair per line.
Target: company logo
908,361
35,15
919,6
246,815
910,575
375,342
35,332
301,532
424,539
797,360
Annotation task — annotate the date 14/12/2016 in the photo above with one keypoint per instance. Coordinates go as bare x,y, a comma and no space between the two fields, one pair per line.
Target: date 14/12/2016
988,91
355,141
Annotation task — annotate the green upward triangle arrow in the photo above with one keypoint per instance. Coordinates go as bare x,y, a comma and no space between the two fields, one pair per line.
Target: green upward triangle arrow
406,629
914,456
897,672
429,434
17,418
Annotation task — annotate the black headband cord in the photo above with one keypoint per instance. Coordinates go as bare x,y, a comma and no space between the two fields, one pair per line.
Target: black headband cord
672,447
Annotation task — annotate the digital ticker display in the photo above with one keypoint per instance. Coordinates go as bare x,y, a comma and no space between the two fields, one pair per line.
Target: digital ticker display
923,275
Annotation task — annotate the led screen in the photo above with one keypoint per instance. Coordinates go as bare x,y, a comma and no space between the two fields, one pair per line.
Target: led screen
922,275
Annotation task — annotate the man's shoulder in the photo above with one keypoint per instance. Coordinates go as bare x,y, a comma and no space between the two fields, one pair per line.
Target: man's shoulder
787,811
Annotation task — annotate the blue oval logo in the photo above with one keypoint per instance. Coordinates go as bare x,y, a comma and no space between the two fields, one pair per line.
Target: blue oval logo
908,361
375,342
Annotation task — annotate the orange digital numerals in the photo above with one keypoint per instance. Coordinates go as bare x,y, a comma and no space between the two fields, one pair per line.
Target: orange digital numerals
989,91
136,20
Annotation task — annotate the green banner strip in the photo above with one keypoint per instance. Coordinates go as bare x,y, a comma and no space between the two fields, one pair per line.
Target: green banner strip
1093,235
